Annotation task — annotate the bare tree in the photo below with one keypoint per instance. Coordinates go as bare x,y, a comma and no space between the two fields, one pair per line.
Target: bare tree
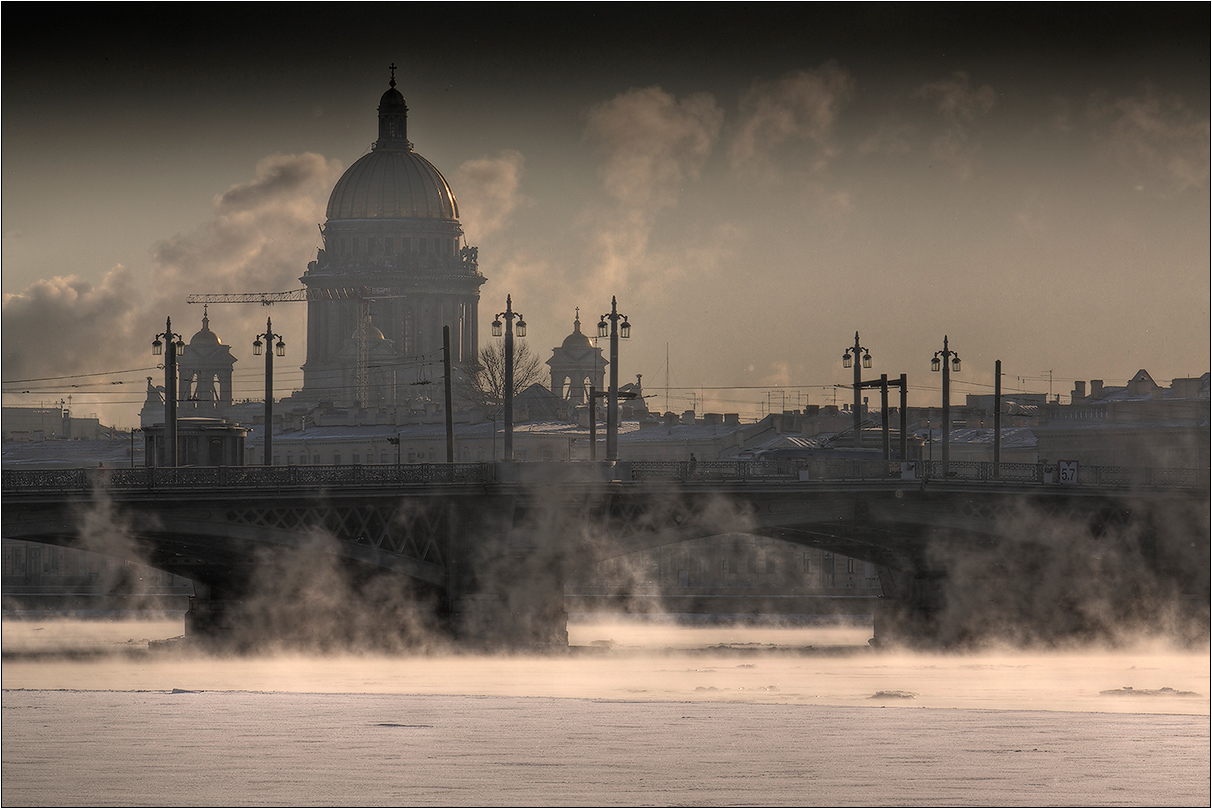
485,380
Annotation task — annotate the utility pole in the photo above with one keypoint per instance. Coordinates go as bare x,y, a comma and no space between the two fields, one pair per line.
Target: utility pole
449,395
997,417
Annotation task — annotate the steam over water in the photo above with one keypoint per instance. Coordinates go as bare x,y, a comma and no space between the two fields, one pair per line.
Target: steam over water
636,712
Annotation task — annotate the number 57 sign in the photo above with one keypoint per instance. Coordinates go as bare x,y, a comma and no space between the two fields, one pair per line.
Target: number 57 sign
1067,472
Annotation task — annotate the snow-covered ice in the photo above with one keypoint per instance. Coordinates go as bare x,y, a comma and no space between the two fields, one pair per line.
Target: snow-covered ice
612,724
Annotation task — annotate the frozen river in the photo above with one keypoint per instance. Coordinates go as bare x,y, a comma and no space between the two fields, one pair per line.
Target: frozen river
636,714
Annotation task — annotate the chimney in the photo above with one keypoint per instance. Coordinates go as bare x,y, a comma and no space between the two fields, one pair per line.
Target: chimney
1079,391
1096,388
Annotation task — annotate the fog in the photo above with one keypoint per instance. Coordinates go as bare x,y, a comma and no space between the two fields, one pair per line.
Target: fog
634,712
635,659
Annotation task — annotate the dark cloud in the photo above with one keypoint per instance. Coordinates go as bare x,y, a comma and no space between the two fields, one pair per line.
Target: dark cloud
489,192
66,325
799,106
653,143
1158,138
261,237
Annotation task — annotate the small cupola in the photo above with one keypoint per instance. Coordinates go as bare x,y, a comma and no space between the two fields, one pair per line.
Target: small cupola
393,118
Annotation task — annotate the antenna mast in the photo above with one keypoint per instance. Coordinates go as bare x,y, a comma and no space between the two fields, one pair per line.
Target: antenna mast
666,377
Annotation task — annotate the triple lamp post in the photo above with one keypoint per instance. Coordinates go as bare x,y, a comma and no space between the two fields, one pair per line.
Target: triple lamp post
847,361
940,361
509,328
269,381
504,325
176,347
615,330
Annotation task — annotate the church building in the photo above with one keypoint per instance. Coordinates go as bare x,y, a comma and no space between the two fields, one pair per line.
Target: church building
393,248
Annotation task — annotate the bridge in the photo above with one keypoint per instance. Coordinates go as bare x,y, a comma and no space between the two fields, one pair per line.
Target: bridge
488,547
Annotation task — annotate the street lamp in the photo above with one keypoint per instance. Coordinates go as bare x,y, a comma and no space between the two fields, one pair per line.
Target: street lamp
947,361
615,330
176,347
847,361
510,328
280,347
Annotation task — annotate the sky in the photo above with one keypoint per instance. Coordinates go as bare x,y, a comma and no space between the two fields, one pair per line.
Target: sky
755,183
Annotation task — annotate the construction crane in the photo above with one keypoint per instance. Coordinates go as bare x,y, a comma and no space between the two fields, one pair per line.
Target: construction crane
363,295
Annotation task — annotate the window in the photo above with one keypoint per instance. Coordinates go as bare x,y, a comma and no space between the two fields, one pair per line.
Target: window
315,459
357,458
851,565
807,565
546,454
336,459
383,457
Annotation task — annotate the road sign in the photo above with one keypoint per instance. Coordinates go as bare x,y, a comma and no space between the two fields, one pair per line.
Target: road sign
1067,472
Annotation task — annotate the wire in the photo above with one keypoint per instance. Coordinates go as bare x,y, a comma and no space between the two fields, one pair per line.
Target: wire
80,376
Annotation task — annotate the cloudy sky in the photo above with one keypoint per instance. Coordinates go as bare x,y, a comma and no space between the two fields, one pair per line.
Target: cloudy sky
754,183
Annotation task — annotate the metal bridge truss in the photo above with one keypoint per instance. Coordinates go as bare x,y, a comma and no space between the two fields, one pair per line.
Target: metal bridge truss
403,530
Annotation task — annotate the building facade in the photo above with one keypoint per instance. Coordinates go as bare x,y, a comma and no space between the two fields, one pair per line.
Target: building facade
394,252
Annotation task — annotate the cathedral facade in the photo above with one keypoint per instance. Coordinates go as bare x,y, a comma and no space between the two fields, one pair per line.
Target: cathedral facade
394,250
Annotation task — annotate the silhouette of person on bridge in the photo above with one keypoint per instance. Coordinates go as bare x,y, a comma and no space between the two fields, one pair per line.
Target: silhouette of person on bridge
690,467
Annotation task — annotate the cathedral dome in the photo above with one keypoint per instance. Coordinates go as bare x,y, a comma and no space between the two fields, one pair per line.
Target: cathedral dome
392,183
204,336
577,339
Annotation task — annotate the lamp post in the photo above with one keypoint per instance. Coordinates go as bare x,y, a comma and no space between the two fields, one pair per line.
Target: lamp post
847,361
615,330
176,347
947,361
269,347
509,316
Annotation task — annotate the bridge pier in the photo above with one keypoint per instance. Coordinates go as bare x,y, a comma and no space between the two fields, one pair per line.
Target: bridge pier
908,612
491,620
505,586
212,618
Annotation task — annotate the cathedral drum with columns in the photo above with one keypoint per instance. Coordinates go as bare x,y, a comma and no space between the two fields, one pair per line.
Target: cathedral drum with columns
393,228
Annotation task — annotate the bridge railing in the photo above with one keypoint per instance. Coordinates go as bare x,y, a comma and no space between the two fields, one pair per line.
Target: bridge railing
244,477
737,471
865,469
731,470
